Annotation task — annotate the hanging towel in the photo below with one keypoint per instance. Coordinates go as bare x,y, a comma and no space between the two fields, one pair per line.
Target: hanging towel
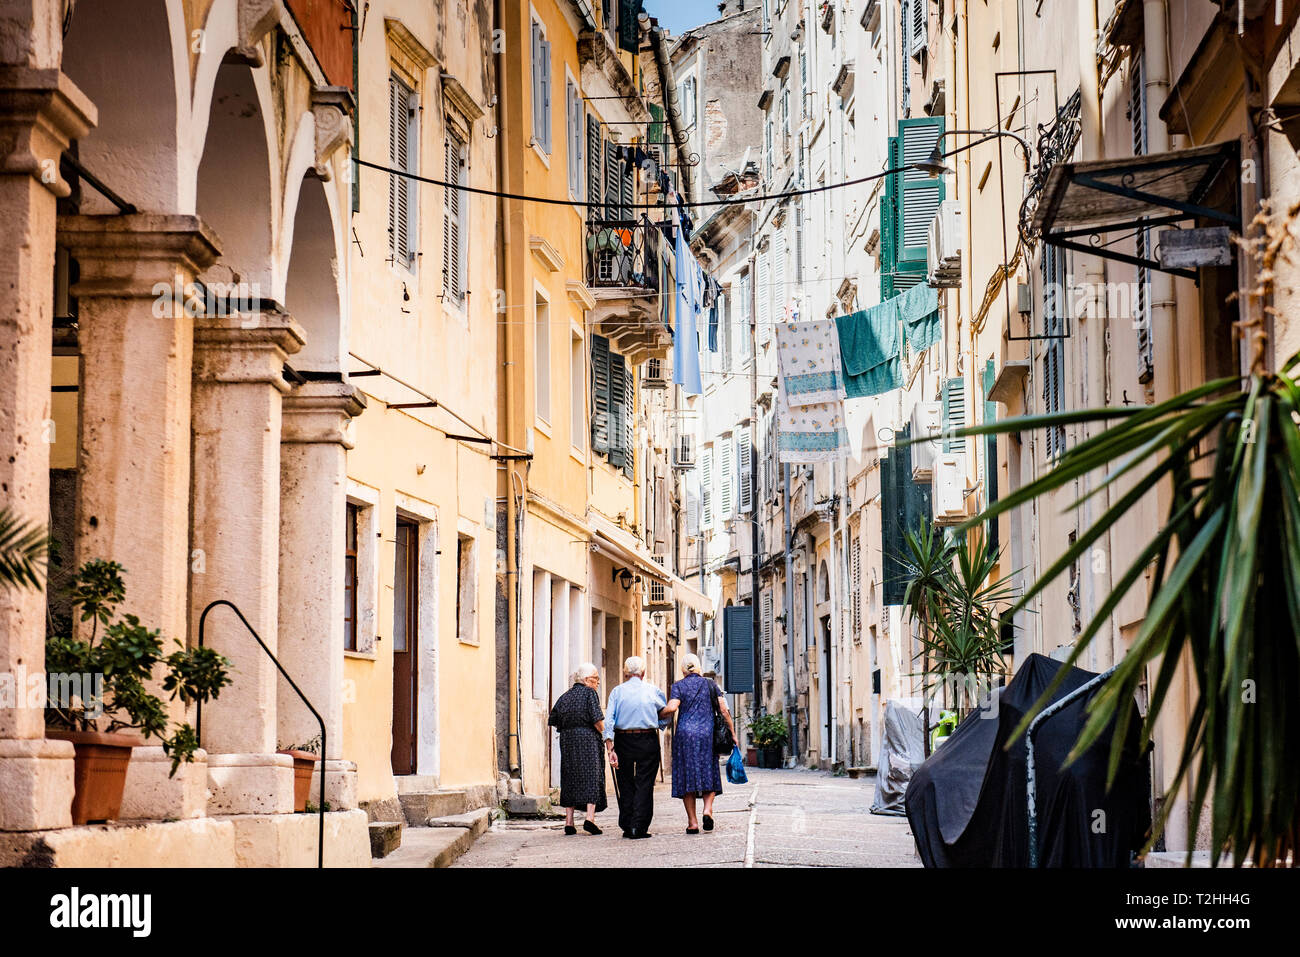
686,341
869,350
810,433
919,309
809,354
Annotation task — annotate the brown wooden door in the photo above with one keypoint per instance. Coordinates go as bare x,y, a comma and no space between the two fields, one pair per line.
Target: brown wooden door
405,647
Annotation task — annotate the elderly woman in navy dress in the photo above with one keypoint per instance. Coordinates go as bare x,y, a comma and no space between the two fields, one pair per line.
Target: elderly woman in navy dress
578,718
695,766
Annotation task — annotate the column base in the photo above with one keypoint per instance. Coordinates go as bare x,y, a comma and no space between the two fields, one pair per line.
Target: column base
340,785
250,783
35,784
151,795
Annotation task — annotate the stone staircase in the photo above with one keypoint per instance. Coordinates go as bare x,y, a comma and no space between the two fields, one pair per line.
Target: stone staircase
427,826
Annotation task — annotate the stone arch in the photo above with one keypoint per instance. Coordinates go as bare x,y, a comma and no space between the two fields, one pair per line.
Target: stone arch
313,293
235,185
129,57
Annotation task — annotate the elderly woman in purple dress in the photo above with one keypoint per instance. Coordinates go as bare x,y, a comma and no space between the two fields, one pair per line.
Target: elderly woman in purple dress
695,766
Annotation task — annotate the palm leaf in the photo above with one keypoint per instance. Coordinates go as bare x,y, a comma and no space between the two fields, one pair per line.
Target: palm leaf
23,547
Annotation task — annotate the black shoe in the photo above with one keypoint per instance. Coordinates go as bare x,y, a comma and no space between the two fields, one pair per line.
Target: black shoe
708,822
590,827
641,835
627,832
692,830
570,830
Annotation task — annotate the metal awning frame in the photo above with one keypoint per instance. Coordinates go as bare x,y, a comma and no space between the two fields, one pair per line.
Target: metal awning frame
1184,210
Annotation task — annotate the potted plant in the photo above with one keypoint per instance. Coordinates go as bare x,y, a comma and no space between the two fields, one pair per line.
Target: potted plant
304,764
769,736
119,656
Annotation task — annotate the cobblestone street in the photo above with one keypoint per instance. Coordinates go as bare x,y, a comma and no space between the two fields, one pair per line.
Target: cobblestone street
792,818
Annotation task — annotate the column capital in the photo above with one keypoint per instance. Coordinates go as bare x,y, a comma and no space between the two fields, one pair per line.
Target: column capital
131,256
246,347
41,112
319,412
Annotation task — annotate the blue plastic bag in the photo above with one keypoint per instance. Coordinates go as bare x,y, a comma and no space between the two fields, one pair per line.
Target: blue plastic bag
736,768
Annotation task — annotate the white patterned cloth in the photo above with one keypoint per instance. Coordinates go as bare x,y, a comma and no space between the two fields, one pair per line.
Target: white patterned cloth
810,433
809,353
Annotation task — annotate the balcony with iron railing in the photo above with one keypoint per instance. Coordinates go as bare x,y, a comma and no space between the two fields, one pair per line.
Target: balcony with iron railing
624,273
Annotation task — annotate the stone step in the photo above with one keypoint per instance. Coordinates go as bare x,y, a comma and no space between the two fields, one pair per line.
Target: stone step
385,837
419,806
531,805
440,842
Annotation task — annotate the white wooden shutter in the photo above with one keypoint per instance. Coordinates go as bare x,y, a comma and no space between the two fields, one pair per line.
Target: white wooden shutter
537,81
726,478
855,586
920,30
546,96
403,144
779,296
745,455
767,634
706,488
764,291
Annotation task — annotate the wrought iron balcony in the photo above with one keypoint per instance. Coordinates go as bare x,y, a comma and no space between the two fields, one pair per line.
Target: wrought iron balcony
623,253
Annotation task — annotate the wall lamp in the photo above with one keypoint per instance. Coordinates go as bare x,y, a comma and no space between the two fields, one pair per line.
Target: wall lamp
934,166
624,577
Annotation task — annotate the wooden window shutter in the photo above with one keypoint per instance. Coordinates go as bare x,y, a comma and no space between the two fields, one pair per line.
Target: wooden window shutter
618,411
726,478
600,395
595,168
745,457
779,297
547,122
706,487
855,584
629,420
627,191
954,413
919,195
893,513
403,115
920,33
767,634
453,238
889,223
764,292
537,81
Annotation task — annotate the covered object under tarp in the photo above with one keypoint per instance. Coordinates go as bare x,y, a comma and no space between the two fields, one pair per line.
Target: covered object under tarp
902,753
967,803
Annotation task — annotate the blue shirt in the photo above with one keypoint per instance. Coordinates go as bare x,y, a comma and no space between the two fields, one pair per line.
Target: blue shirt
633,705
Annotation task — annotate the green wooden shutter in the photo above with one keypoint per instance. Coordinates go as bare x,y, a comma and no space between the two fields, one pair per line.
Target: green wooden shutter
595,168
618,411
919,195
613,180
893,513
889,224
600,404
738,649
954,413
629,430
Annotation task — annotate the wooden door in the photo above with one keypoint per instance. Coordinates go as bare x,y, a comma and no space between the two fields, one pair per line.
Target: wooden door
405,646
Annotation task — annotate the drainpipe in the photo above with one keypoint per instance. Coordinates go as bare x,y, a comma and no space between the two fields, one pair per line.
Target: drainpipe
669,90
791,705
507,331
827,685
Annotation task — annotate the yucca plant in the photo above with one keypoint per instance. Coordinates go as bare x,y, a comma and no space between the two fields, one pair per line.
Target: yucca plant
952,597
23,548
1225,589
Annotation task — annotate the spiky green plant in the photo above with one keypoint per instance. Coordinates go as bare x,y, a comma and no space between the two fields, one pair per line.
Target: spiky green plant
1225,590
23,549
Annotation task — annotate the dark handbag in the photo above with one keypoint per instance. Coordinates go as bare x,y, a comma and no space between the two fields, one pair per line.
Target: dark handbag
722,741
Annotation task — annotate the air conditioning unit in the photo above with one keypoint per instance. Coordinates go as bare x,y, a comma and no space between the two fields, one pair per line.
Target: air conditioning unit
944,250
927,419
684,452
948,488
654,375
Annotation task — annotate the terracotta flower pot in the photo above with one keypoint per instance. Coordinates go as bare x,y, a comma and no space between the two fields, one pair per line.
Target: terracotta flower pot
304,763
99,772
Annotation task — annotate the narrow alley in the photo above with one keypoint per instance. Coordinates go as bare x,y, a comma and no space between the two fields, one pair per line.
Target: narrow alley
789,818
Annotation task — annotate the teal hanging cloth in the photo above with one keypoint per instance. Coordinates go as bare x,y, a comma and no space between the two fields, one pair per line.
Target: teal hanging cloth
869,350
919,309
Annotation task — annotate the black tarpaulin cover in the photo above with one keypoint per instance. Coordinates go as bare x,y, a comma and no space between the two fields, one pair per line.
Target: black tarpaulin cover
967,803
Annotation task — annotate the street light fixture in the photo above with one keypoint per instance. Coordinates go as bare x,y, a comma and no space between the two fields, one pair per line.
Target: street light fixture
934,166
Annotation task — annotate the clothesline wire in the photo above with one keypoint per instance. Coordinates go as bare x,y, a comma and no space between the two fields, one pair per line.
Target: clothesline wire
549,200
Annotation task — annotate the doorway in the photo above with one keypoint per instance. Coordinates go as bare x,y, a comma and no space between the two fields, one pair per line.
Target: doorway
827,690
406,639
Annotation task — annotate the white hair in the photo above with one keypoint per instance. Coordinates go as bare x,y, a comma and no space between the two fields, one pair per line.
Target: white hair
691,665
634,666
585,671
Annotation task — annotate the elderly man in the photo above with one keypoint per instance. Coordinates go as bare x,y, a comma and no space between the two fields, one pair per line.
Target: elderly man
632,739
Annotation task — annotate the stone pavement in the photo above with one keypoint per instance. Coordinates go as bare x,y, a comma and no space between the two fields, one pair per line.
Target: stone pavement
792,818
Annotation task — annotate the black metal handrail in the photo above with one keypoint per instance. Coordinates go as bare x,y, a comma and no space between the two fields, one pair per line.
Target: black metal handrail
622,252
198,719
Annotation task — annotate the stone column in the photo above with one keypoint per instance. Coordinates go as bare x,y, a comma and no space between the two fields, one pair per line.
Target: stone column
313,488
235,516
41,111
133,484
